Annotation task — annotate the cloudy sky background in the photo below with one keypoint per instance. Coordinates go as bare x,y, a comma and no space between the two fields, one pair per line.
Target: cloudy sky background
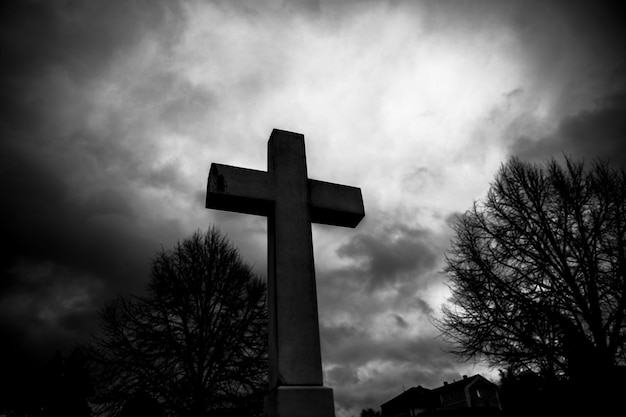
112,112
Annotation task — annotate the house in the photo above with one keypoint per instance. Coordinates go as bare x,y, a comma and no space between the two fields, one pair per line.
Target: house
411,402
468,396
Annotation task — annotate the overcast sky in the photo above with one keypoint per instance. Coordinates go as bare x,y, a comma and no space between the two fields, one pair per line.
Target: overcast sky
112,112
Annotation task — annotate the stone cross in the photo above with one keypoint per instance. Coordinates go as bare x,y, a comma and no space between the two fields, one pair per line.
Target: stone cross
290,201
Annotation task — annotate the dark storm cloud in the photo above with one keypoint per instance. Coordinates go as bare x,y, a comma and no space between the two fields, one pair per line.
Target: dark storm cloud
392,254
49,298
79,35
79,39
400,322
599,28
598,133
422,306
350,345
41,155
61,242
342,375
410,361
578,46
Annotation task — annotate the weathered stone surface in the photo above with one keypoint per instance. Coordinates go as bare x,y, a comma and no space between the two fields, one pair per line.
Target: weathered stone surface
335,204
241,190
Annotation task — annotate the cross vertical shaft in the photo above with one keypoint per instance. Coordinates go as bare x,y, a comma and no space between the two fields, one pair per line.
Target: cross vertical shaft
293,302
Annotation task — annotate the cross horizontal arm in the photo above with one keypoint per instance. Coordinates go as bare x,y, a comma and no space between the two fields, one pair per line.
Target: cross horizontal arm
241,190
335,204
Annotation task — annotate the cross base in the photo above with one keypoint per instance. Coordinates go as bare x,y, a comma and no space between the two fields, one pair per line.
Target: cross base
300,401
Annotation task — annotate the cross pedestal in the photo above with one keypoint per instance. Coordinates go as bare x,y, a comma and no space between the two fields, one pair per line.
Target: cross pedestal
290,201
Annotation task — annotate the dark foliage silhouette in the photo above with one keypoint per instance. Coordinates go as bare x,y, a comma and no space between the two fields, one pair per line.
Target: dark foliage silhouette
194,345
369,412
66,387
538,272
61,388
142,404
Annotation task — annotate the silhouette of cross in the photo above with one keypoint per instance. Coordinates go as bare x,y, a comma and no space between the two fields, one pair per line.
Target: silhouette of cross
290,201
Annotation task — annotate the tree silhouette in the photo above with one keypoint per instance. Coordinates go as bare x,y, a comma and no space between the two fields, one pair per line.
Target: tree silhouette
64,387
538,271
61,387
369,412
195,344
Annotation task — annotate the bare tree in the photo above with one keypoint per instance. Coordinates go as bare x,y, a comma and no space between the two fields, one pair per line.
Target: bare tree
369,412
538,271
196,343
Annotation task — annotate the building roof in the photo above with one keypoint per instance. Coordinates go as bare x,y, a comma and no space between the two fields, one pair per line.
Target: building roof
426,395
410,395
460,384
